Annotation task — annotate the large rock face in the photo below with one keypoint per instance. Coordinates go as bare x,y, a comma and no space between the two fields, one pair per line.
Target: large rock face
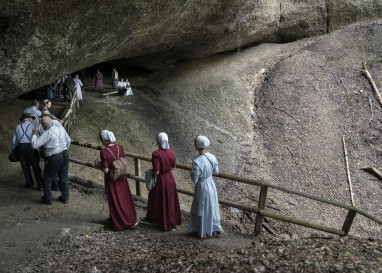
41,40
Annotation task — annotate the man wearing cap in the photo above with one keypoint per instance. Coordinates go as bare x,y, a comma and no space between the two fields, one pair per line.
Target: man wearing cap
28,156
56,143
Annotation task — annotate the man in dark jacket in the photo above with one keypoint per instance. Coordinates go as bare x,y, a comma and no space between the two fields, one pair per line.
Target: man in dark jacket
70,87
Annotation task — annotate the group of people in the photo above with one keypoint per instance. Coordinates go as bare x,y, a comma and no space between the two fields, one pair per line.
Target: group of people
122,85
65,87
40,134
163,202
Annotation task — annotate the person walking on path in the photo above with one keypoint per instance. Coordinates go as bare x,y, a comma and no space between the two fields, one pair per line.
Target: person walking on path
204,216
21,141
119,199
114,78
78,86
163,202
50,91
98,81
70,88
33,110
45,108
56,143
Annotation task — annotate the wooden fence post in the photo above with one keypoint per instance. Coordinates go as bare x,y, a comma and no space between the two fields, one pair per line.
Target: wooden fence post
261,206
348,221
137,166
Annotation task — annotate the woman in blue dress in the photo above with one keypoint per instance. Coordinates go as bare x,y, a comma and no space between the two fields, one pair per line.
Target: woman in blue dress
204,216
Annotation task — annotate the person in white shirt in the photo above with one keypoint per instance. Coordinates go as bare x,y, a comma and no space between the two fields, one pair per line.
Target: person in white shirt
114,78
124,88
34,111
56,143
78,85
29,157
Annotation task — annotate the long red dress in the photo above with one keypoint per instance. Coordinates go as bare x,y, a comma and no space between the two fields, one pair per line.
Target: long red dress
163,203
119,199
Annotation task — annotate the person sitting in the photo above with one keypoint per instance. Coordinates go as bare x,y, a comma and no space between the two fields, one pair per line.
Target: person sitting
124,88
121,85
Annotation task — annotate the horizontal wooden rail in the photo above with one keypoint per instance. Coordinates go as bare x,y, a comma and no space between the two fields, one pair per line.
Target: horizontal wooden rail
261,212
248,181
266,213
109,93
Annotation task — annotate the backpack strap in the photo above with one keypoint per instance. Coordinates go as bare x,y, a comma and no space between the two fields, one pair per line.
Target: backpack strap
115,158
111,153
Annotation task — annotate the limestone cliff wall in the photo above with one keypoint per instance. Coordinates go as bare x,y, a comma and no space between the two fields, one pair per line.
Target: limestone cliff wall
41,40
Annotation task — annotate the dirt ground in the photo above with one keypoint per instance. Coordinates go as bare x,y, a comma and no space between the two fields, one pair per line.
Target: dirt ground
273,112
75,237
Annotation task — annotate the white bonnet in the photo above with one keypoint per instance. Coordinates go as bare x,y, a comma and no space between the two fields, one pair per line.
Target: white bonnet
162,139
202,142
108,135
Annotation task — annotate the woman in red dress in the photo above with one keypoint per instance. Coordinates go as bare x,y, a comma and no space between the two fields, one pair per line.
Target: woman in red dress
119,199
163,203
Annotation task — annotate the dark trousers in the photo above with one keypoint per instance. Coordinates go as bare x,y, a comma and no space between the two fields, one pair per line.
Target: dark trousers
30,157
68,93
56,164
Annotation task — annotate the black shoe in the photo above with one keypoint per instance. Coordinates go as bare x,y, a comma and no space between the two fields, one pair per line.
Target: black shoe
62,200
46,201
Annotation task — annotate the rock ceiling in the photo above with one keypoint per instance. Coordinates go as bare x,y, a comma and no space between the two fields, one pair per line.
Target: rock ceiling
40,40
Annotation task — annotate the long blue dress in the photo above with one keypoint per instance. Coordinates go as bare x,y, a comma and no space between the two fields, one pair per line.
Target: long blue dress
204,216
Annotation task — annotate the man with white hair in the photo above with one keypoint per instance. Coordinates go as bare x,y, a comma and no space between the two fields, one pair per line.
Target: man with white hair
56,143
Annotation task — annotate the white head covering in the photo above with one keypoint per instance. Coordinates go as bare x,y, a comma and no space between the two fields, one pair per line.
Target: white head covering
162,138
202,142
108,135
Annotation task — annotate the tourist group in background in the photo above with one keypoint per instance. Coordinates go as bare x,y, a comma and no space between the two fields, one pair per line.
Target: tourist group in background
64,88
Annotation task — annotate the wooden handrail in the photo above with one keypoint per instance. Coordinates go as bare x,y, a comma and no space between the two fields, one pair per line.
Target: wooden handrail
261,212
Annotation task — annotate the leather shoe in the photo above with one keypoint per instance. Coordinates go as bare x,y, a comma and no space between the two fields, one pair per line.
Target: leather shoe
46,201
62,200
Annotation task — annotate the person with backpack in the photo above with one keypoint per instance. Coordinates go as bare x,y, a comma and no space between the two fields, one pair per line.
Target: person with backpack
121,206
204,216
29,157
163,207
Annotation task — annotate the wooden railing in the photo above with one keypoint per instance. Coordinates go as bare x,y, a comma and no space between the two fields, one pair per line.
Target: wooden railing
68,115
260,210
